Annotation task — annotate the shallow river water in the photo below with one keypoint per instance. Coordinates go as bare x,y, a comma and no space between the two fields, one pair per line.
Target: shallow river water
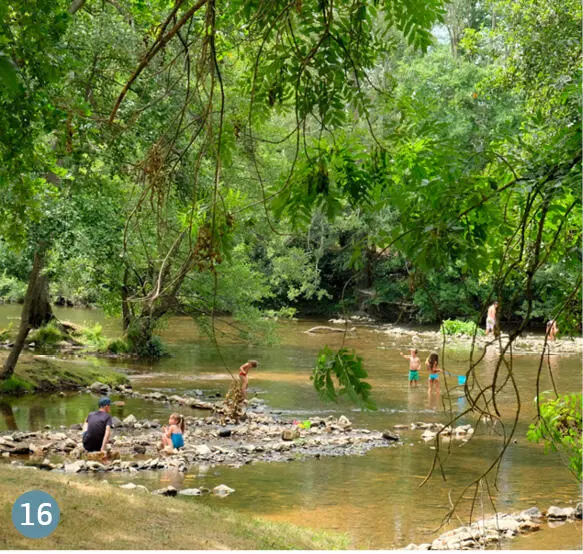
375,499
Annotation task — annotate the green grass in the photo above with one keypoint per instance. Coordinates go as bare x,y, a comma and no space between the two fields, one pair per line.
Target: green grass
42,375
15,386
97,515
49,335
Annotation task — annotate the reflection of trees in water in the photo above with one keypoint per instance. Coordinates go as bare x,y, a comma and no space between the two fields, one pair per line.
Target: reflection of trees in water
8,414
36,416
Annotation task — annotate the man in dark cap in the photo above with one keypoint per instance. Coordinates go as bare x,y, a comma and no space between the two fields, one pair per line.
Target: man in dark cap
97,427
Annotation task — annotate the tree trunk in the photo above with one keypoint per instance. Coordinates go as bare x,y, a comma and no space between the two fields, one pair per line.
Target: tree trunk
36,310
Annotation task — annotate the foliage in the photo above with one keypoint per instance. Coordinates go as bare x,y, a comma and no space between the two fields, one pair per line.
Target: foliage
11,289
49,335
457,327
559,427
6,333
93,338
117,346
15,385
151,348
349,372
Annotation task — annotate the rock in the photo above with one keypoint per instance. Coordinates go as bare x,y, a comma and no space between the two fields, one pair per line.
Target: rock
400,426
117,422
428,435
119,403
201,450
130,421
247,448
190,492
76,427
290,434
77,451
98,387
224,432
555,512
578,510
128,486
223,490
95,466
139,449
57,436
75,467
528,526
388,435
167,491
531,513
344,422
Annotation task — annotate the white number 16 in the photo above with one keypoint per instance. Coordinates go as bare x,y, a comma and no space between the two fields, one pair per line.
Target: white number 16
44,517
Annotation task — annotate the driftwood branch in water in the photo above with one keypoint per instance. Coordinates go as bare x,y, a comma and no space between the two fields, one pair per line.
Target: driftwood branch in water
326,329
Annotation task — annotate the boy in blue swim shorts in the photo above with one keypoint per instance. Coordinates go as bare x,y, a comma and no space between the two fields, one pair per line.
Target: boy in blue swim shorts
414,366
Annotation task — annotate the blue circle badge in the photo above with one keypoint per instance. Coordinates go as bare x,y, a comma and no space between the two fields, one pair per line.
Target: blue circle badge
35,514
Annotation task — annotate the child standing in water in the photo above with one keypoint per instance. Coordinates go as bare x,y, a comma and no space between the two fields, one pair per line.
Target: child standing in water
173,433
432,365
243,371
414,366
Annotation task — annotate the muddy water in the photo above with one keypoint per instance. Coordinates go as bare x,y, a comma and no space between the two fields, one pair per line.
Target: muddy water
376,499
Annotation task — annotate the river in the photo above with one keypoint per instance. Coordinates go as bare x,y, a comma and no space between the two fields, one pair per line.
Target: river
376,499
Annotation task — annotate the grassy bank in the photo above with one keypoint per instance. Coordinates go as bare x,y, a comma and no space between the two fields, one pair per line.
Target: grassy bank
38,375
101,516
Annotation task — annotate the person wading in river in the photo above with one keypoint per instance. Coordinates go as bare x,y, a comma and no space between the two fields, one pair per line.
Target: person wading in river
97,428
243,371
491,318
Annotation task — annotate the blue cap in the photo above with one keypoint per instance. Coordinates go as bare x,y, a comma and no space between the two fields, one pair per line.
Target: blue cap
104,401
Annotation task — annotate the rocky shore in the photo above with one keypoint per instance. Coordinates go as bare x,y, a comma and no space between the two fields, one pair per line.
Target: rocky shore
261,437
433,340
487,533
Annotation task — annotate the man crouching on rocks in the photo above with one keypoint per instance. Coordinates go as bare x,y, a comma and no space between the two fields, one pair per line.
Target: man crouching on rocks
97,428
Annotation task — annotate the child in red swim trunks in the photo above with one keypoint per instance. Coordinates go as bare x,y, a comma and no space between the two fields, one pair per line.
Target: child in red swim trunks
243,371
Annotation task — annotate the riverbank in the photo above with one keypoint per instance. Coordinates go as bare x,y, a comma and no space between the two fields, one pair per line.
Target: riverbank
100,516
36,374
528,343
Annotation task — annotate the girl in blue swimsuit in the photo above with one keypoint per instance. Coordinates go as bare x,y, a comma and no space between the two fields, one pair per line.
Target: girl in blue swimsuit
173,433
432,365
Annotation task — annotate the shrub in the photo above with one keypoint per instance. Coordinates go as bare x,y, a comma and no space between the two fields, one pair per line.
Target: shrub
457,327
48,335
15,385
92,336
559,427
11,289
5,333
117,346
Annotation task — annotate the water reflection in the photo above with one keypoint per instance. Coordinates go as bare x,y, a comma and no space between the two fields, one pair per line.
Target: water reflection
8,415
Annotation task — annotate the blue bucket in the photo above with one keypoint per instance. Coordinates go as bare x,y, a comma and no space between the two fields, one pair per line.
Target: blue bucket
461,379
